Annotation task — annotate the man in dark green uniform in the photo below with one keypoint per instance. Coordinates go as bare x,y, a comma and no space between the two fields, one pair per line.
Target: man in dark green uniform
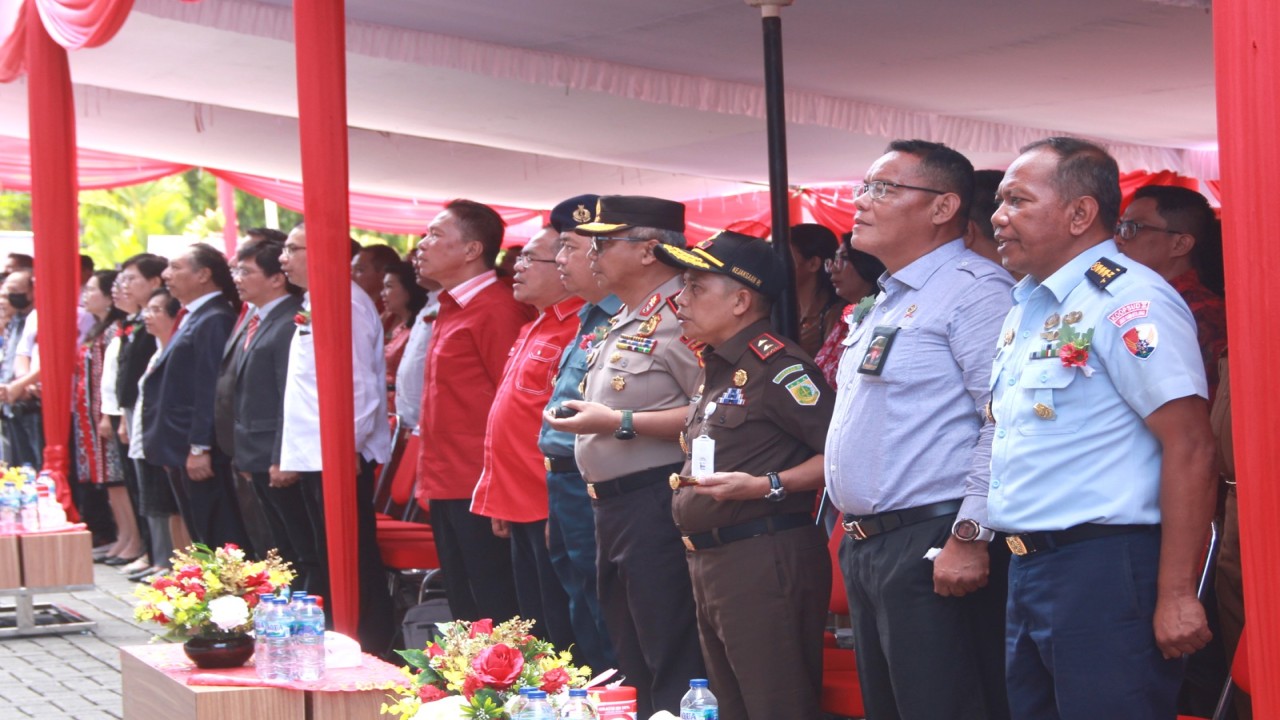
753,440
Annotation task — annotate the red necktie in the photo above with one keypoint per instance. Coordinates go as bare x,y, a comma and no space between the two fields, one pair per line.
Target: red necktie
177,321
253,328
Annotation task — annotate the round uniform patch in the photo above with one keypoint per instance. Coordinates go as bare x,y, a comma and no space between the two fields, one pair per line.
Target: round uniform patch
1141,340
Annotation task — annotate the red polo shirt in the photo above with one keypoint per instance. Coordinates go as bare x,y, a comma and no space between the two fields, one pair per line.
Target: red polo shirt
513,486
479,321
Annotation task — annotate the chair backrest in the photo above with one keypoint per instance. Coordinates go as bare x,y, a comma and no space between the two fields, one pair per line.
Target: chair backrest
384,471
405,476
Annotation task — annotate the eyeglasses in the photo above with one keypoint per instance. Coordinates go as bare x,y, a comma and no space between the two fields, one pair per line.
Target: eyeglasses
879,188
836,264
524,260
1129,229
597,241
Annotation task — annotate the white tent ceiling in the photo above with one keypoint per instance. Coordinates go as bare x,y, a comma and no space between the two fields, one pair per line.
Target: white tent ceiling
525,102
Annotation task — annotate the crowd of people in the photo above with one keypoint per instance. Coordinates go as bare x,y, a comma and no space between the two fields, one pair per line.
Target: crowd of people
616,442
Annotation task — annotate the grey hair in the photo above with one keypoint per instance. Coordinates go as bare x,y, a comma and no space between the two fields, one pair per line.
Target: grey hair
666,237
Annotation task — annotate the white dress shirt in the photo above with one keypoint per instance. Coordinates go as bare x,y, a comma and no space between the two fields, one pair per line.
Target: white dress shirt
410,374
110,370
300,451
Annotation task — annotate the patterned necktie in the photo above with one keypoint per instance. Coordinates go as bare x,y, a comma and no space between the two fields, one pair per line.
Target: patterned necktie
253,328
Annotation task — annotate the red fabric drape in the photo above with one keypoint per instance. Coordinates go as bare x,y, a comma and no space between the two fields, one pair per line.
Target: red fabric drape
13,52
95,169
230,223
1246,47
56,225
320,40
72,24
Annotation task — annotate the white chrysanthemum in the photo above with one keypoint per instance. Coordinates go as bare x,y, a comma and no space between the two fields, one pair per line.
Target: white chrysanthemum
447,708
228,612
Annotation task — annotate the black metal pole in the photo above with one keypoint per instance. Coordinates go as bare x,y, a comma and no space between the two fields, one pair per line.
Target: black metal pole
785,315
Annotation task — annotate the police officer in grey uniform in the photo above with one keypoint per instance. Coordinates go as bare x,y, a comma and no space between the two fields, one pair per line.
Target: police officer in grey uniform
641,374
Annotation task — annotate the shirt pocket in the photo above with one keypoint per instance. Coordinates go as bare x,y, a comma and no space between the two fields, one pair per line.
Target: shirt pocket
1046,389
896,364
538,369
726,418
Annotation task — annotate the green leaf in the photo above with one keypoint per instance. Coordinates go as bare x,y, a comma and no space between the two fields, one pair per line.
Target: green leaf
415,658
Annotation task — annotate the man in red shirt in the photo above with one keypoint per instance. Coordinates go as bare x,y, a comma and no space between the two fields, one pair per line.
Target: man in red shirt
513,487
478,323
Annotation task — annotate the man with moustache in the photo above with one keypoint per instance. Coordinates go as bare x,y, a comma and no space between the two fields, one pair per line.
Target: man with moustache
744,500
641,374
1102,463
512,491
571,525
908,450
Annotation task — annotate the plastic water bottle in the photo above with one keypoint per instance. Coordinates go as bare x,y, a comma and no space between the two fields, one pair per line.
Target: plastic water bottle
537,708
308,641
261,654
699,703
578,708
516,704
51,513
276,625
10,507
29,506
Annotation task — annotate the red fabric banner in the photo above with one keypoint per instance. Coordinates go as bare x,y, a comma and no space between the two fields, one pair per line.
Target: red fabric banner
320,41
72,24
1246,44
57,236
95,169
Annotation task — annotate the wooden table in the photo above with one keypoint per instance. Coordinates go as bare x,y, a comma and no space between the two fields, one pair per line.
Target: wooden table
150,694
38,564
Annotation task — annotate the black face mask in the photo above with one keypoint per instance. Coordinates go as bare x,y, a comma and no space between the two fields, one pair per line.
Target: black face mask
19,301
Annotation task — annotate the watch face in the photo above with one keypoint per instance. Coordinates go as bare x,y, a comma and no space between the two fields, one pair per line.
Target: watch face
966,530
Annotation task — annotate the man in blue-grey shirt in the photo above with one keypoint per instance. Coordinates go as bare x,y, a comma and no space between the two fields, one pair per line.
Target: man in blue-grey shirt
1101,466
571,525
908,452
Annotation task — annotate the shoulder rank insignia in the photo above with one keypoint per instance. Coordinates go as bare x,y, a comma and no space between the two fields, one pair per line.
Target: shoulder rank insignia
766,346
1104,271
649,326
650,305
671,303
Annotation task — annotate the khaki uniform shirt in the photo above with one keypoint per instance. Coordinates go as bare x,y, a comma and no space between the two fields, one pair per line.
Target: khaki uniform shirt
643,363
772,408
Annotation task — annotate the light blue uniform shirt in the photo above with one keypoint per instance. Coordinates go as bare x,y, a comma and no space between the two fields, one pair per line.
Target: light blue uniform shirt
1071,443
915,434
573,366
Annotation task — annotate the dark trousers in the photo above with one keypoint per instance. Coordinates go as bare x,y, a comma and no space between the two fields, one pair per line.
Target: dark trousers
762,608
478,578
24,437
132,487
1080,640
646,594
289,526
377,624
209,507
921,656
255,516
572,551
538,590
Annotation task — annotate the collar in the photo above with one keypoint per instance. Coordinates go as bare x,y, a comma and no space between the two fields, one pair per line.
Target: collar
265,310
670,288
922,268
566,307
200,302
609,305
1066,278
732,349
466,291
432,308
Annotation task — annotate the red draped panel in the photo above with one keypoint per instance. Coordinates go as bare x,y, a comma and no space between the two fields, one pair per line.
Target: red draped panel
13,53
320,40
1246,46
56,225
73,24
95,169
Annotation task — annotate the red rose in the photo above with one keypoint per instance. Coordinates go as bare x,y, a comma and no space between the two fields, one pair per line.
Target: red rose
482,627
498,666
434,650
470,686
231,546
553,680
1073,356
431,693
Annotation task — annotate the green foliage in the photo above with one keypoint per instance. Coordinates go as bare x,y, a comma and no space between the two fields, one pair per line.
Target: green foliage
15,210
485,705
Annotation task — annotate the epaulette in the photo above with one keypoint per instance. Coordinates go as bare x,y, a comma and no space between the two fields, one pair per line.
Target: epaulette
697,348
766,346
1103,272
671,303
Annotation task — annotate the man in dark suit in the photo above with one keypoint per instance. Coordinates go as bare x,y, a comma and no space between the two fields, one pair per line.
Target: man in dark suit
178,398
251,402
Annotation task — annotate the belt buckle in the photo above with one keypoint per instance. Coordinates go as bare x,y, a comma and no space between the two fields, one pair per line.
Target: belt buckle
854,529
546,463
1016,546
591,490
688,544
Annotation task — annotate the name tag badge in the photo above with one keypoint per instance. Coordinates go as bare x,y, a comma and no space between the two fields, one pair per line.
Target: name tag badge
878,350
704,456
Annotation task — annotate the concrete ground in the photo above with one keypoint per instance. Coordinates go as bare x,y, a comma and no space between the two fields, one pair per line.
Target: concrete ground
75,675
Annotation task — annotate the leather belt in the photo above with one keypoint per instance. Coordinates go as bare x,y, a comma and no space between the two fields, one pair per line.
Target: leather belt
560,464
767,525
1030,543
861,528
623,485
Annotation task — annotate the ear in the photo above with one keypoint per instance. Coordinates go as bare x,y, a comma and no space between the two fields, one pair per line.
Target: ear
1183,244
1082,213
474,251
945,208
742,300
649,256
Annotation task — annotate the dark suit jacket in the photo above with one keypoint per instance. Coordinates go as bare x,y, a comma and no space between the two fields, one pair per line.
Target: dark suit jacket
258,379
177,406
134,356
224,400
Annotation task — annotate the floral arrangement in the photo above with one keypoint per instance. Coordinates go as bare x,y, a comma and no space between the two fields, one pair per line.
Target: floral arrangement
475,668
588,339
1073,349
210,593
302,318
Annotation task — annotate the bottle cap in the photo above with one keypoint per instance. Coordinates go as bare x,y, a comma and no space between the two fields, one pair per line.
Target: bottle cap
537,695
698,683
577,692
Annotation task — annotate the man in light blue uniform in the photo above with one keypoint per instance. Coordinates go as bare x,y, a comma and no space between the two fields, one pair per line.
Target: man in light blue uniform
1101,463
908,451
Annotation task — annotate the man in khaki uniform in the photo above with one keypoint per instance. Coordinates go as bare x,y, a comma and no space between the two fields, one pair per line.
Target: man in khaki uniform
641,373
761,574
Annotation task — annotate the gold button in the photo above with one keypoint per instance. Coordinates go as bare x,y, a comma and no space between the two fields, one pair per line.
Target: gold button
1044,412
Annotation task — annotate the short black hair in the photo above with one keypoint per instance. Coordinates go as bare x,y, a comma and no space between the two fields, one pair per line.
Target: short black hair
381,255
867,266
408,278
86,266
948,169
1186,210
814,240
149,265
206,256
1085,170
479,223
23,261
265,253
985,185
171,306
266,234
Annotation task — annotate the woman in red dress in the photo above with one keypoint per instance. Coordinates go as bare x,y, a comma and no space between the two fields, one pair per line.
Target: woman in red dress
402,298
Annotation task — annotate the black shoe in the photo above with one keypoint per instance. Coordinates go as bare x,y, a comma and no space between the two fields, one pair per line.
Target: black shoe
146,574
119,560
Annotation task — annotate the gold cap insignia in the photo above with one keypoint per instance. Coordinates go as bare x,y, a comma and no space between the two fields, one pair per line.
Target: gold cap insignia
582,214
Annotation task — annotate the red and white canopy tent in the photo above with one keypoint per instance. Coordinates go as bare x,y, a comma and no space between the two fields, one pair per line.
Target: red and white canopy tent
520,108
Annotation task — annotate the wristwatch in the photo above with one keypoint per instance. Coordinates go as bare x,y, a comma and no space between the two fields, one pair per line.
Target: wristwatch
776,493
198,450
967,530
627,431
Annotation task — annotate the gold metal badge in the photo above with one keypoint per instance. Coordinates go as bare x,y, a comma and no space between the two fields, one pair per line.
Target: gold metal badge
1052,321
684,443
674,480
1016,546
1044,412
911,311
649,326
739,377
1073,317
1008,337
591,490
582,214
614,358
618,382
